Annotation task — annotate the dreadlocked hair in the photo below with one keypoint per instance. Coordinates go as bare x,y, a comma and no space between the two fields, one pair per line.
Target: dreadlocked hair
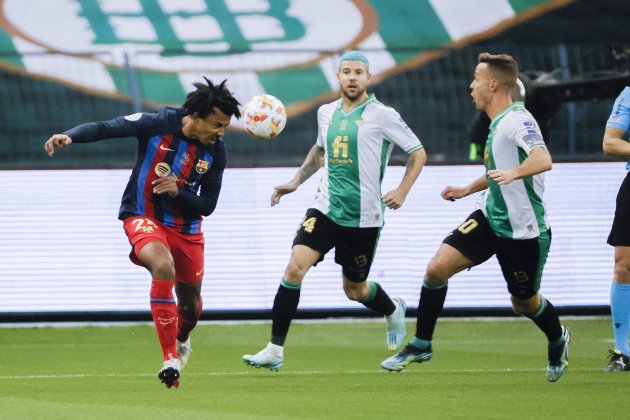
207,96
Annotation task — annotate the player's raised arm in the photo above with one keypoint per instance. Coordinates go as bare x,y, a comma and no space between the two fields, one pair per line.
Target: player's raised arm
57,140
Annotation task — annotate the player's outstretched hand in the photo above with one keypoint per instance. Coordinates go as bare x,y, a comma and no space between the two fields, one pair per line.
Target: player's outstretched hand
394,199
57,140
281,190
453,193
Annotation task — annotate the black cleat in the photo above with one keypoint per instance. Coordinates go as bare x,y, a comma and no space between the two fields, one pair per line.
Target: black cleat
617,362
169,374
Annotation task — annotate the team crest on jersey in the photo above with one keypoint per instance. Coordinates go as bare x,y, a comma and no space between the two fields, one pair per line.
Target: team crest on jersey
359,122
202,166
343,125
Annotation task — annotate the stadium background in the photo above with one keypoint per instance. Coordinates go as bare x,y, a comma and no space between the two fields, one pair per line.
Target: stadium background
582,44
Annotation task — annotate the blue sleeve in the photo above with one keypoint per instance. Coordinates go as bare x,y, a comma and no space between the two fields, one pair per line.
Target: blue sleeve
205,203
134,125
620,115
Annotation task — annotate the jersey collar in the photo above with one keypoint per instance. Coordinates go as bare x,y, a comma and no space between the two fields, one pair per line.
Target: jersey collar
513,105
367,100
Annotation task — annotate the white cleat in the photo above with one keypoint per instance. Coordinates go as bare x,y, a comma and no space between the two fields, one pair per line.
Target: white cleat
265,358
183,350
396,328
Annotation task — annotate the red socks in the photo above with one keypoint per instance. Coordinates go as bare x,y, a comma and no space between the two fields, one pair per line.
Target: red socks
164,312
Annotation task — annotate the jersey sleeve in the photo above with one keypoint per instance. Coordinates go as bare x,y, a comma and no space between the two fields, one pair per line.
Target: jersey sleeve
526,133
620,115
134,125
397,131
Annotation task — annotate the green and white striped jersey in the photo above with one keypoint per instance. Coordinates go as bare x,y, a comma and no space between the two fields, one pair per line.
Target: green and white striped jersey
357,147
516,210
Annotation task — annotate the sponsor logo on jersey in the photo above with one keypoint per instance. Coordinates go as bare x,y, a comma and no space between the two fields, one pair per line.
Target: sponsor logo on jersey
185,160
163,147
162,169
202,166
359,122
528,124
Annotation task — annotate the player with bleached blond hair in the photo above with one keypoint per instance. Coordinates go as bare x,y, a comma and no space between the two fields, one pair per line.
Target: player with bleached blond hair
355,138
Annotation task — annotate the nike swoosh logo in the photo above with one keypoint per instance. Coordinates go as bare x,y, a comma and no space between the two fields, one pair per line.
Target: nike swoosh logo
198,273
162,147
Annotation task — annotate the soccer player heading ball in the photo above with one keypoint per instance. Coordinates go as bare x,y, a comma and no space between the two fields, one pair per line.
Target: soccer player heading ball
175,181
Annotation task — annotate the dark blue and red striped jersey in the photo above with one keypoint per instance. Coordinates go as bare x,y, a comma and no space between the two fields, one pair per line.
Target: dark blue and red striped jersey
163,150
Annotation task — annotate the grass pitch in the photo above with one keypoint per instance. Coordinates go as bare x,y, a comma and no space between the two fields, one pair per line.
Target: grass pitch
480,370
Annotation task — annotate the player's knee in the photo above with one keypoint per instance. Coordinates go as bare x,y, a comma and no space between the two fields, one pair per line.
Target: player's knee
356,293
163,269
294,272
622,271
436,274
525,307
189,309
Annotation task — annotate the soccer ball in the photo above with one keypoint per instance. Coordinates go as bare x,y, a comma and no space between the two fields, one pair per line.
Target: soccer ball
264,117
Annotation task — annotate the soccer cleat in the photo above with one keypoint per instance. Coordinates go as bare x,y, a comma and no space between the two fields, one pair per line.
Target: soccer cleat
409,354
169,374
555,371
618,362
264,359
396,329
183,350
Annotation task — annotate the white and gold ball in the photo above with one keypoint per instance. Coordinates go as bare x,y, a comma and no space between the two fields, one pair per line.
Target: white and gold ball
264,116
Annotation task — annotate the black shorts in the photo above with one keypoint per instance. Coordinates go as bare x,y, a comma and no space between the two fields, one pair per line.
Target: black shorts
521,260
620,232
354,247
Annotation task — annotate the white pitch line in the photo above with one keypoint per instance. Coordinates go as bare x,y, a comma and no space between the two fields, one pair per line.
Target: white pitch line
341,320
290,373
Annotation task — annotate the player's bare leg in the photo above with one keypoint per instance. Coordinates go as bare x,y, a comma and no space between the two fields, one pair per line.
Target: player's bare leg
189,306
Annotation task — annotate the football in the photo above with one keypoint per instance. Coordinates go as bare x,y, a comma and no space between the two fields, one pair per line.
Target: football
264,116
